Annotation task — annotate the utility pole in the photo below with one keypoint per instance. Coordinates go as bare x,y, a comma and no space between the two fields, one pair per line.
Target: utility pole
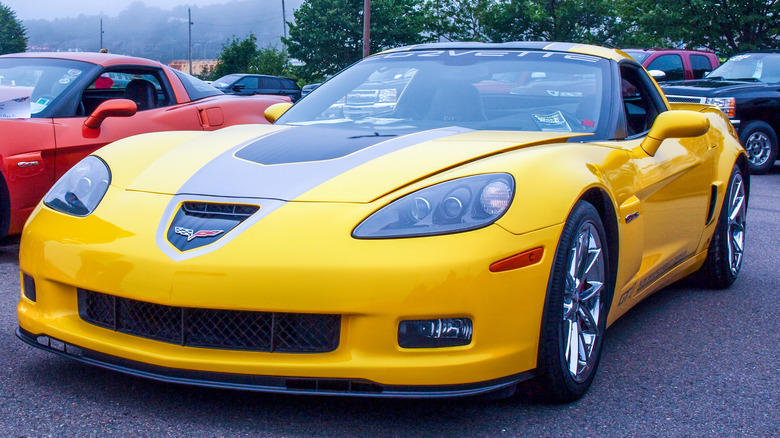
189,46
101,33
284,21
366,28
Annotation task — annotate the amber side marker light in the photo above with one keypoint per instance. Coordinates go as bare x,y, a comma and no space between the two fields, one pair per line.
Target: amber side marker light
527,258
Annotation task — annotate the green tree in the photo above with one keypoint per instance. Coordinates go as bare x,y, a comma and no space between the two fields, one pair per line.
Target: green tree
270,61
327,35
579,21
458,20
723,26
13,35
236,57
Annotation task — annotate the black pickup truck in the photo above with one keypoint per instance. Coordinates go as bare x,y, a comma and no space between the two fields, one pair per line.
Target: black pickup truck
747,89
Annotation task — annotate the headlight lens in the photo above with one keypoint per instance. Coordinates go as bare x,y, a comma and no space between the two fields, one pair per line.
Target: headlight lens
726,104
450,207
81,189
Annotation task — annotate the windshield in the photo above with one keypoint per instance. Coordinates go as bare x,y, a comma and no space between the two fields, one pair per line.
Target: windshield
763,67
28,86
225,81
638,55
489,89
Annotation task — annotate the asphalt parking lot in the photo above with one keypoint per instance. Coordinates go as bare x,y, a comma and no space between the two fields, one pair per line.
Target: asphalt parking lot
685,362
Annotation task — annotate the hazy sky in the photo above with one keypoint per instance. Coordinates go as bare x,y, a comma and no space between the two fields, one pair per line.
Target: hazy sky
51,9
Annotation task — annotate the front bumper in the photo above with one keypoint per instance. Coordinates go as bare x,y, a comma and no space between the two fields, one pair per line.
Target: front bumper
373,286
272,384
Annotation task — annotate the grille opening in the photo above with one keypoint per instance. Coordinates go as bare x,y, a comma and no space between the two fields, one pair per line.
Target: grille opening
213,328
332,385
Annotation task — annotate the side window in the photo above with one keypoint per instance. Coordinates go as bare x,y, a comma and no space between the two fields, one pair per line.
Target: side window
271,83
672,65
641,101
289,84
701,65
249,83
147,88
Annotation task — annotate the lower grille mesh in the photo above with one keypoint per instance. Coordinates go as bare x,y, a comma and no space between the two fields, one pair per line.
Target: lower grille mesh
212,328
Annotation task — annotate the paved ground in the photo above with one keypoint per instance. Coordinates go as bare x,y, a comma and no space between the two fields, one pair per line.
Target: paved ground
685,362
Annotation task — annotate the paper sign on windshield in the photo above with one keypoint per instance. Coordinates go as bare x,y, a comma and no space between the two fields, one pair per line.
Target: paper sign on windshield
15,102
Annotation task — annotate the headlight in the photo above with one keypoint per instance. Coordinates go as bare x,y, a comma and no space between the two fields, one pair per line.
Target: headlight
81,189
450,207
726,104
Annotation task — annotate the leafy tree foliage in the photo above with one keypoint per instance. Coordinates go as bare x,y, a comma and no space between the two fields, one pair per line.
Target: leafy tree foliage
459,20
13,37
243,56
236,56
270,61
327,35
723,26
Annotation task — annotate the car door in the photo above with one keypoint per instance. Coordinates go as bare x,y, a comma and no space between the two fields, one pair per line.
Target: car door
74,141
27,157
671,202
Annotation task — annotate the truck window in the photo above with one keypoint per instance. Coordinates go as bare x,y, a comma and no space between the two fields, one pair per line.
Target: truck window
700,65
672,65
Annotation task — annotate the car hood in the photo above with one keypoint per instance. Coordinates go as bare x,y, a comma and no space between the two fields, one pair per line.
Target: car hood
304,163
707,87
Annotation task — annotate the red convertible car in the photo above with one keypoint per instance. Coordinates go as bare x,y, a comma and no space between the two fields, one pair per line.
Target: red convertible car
56,108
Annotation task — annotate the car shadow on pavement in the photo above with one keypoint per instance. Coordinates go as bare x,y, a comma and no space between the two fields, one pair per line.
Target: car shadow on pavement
9,250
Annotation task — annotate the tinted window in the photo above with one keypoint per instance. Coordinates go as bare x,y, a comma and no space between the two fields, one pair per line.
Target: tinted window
249,83
196,88
270,83
700,65
289,84
672,65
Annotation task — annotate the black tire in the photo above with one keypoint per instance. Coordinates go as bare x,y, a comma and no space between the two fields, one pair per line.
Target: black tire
724,256
5,209
760,142
576,306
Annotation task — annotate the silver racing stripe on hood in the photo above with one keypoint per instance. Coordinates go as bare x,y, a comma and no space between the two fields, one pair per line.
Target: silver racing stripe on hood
230,176
230,180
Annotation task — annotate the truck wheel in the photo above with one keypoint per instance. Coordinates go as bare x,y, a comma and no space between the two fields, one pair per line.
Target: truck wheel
760,142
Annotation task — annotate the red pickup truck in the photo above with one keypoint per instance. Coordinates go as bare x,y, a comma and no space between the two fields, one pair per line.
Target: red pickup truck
677,65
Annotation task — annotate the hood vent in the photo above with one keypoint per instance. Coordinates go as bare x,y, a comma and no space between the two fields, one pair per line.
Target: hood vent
198,224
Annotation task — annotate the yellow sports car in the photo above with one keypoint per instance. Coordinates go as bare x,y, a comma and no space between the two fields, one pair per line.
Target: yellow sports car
437,220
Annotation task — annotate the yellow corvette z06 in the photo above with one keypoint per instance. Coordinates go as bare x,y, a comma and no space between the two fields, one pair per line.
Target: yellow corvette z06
436,220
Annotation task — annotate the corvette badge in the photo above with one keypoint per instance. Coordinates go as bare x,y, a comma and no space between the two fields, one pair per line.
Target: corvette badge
191,234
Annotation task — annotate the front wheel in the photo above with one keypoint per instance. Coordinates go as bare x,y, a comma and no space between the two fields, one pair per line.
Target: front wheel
575,310
760,143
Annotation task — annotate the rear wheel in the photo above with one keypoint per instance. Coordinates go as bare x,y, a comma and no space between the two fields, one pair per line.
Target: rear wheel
5,209
724,256
575,312
760,142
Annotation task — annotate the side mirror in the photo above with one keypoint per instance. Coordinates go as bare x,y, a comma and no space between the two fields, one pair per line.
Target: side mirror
658,75
110,108
238,87
674,124
273,112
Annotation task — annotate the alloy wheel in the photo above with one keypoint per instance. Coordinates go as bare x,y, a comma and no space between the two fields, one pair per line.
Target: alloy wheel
582,309
758,147
736,222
